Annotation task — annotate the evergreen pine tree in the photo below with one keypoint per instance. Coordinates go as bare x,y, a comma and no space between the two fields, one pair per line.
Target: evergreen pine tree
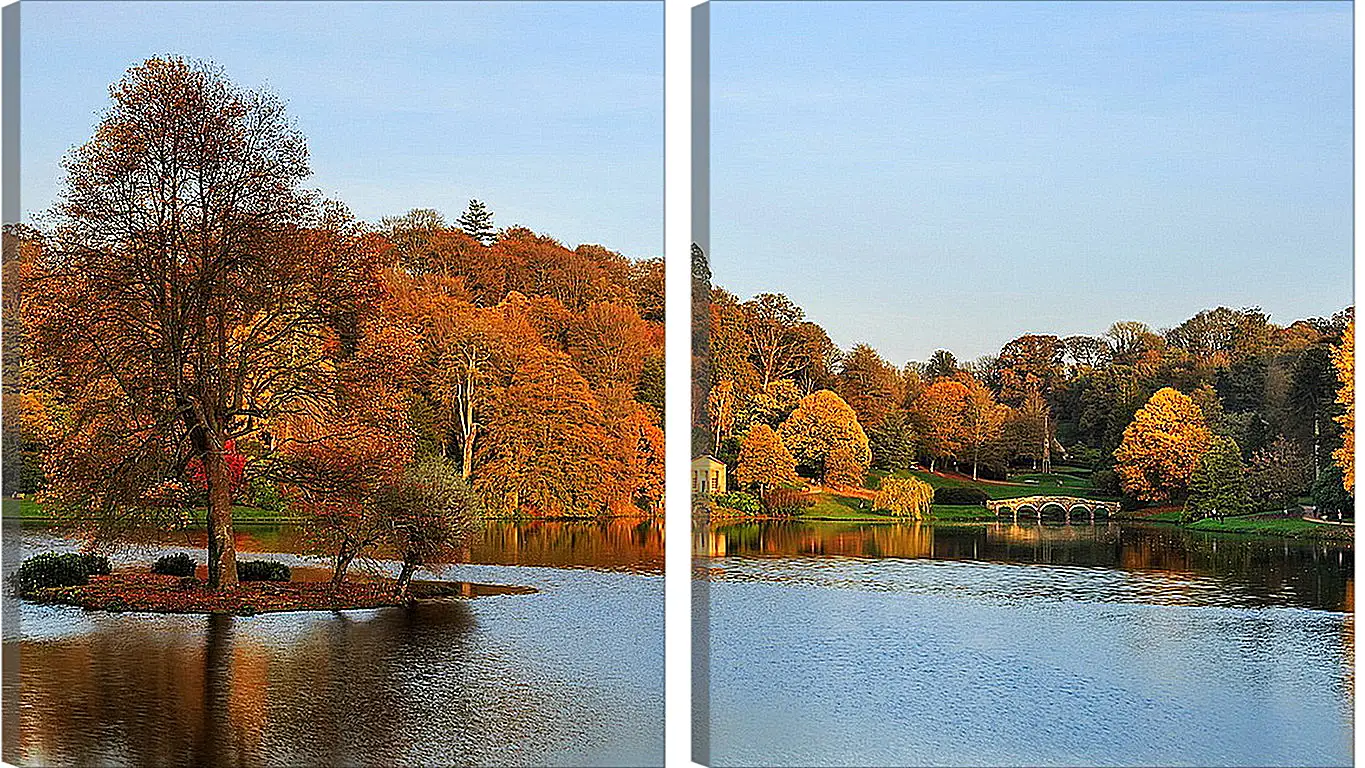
477,222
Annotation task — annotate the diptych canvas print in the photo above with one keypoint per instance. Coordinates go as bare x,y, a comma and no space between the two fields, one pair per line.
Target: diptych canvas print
1021,405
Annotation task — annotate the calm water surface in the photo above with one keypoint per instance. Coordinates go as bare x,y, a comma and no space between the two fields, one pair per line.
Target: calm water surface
1012,645
570,675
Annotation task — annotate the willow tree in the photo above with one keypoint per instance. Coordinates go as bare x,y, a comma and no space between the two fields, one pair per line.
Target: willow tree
191,291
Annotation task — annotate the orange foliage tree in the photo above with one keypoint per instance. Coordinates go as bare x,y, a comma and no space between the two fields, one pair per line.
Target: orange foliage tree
335,458
939,416
983,422
547,450
187,294
1161,447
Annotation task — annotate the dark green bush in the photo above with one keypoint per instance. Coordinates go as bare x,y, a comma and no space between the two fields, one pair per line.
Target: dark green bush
262,570
740,502
1105,481
961,496
787,501
96,565
51,570
174,565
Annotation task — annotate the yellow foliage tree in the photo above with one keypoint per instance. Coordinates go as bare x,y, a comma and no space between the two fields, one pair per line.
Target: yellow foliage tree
904,497
1343,357
1161,447
843,467
764,462
821,423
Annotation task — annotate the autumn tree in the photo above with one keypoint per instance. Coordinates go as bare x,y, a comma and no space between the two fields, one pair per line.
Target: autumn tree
764,462
779,342
1220,336
728,343
1030,363
821,423
609,343
983,421
904,497
333,458
939,416
1218,487
477,222
1132,342
1343,358
771,404
1161,447
870,385
188,291
846,466
637,448
545,452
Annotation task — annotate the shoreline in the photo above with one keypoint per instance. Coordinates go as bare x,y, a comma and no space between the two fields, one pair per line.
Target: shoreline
140,592
28,510
1249,525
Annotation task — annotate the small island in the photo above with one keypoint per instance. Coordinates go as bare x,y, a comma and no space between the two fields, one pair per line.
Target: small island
151,593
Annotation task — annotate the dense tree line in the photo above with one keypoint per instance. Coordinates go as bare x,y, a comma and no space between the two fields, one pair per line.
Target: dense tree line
1139,407
190,326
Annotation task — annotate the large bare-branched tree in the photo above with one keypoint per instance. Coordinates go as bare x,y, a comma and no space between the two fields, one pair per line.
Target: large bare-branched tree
191,292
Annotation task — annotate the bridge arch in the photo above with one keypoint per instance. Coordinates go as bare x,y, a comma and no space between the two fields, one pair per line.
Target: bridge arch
1039,507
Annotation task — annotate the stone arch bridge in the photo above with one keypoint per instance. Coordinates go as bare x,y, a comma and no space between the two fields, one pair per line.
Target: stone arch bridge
1063,506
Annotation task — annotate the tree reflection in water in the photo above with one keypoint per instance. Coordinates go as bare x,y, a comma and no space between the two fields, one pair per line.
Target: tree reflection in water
1314,574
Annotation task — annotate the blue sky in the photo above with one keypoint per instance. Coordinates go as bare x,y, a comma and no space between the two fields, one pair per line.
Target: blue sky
925,175
549,112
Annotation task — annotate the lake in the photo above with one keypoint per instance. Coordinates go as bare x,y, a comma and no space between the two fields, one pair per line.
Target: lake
1004,645
569,675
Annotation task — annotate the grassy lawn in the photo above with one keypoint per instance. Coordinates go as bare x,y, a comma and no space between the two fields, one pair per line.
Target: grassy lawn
1055,484
829,506
28,509
1289,527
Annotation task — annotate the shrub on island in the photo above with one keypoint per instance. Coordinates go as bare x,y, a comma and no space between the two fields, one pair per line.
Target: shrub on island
50,569
262,570
174,565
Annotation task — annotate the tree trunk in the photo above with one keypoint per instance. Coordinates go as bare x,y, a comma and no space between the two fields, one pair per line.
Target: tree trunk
469,427
221,545
404,579
343,561
974,462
